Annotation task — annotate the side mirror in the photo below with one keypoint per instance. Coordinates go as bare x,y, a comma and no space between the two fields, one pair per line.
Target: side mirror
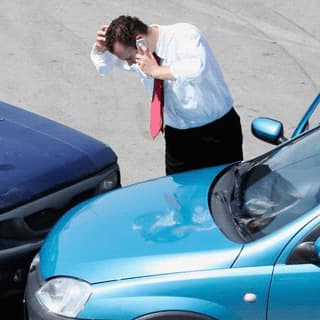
309,251
317,249
268,130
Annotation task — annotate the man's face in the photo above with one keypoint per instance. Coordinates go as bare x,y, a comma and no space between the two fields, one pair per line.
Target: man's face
125,53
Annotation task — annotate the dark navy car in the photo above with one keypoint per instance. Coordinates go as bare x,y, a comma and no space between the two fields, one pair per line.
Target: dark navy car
45,169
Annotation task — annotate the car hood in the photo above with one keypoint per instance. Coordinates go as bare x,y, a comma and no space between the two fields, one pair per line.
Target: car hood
156,227
39,156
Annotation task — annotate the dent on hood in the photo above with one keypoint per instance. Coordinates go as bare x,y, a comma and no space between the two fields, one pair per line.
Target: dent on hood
186,212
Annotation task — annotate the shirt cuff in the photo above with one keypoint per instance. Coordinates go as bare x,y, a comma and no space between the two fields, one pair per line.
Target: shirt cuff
103,61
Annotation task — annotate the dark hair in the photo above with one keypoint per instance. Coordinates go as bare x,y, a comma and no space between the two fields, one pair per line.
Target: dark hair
124,30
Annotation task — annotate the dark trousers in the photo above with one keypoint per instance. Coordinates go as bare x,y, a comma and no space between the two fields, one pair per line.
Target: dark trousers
216,143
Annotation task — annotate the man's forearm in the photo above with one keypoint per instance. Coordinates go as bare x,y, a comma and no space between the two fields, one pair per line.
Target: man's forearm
162,73
98,49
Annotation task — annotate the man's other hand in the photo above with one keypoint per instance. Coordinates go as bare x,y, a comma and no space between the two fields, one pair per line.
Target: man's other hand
101,39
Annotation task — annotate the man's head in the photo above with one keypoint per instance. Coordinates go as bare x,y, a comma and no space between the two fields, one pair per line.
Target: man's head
121,37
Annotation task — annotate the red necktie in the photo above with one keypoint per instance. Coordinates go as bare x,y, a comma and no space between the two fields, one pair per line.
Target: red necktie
157,102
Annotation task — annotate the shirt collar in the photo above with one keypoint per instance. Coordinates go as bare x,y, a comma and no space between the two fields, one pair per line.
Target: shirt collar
161,48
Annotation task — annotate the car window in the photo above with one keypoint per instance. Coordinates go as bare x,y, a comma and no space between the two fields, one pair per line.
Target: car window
281,188
299,257
311,118
314,119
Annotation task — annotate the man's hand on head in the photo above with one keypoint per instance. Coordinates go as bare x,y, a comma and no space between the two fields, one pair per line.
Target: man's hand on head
101,39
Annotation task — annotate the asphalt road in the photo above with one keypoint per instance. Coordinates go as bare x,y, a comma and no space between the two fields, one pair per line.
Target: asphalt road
268,51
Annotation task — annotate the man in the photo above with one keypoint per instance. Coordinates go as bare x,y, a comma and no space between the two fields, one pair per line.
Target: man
201,128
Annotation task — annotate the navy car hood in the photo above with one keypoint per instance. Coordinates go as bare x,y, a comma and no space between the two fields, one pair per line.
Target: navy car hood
156,227
39,155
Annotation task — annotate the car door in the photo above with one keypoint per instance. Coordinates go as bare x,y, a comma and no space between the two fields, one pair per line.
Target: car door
295,285
310,119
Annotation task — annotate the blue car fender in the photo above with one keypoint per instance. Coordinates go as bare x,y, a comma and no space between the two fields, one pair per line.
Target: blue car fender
218,294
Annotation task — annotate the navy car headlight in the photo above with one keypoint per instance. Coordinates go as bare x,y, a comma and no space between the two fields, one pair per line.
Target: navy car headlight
34,263
109,183
64,296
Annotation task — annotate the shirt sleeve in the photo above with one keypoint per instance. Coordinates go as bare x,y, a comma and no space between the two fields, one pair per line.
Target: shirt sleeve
190,53
106,61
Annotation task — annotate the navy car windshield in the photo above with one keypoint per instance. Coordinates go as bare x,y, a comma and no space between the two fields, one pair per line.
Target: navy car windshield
262,195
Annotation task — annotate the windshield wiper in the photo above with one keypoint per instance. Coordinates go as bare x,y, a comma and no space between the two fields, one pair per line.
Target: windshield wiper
240,225
236,195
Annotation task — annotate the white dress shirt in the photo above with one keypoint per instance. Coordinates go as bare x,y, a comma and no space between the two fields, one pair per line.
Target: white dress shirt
199,95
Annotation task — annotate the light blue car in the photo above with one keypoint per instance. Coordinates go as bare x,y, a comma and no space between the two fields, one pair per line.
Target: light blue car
239,241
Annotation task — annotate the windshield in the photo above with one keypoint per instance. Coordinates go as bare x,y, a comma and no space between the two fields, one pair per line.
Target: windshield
262,195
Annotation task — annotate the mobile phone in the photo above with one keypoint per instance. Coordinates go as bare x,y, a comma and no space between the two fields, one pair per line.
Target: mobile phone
141,41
